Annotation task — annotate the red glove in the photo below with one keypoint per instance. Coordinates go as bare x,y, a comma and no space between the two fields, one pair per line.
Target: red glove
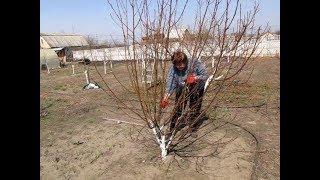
192,78
164,103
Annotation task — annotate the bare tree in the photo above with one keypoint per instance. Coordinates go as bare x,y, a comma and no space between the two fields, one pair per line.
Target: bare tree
112,43
92,41
219,36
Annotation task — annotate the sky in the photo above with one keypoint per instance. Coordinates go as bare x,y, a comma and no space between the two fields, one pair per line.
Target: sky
92,17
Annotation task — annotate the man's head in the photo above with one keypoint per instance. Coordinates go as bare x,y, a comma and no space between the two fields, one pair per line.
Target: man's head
179,60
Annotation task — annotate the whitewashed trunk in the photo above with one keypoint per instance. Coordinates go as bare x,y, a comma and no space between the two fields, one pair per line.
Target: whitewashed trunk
105,67
87,78
111,65
48,70
164,149
212,62
72,69
143,70
162,143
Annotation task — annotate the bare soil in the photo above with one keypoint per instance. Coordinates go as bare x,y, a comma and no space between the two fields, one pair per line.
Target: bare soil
77,143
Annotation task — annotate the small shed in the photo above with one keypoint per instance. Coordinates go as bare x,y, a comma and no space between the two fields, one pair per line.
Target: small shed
62,44
49,59
59,40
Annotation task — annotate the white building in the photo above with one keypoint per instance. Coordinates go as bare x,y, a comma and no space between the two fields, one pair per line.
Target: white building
270,36
178,33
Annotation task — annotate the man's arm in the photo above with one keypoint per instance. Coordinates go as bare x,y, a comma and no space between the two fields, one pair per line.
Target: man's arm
170,86
201,71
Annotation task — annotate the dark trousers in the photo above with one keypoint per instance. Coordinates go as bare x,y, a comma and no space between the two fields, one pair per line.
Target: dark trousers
194,94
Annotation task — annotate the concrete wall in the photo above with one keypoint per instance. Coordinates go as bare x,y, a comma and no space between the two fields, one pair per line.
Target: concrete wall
265,48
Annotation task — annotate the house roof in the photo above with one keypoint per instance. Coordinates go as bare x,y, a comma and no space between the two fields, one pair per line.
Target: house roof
270,35
57,49
64,40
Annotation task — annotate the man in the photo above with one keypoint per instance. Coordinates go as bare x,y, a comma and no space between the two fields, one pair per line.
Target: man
187,78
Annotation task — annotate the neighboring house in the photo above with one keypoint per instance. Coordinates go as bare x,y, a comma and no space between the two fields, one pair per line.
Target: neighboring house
62,44
154,38
178,33
174,35
268,36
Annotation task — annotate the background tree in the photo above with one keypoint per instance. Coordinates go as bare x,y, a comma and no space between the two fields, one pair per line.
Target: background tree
92,40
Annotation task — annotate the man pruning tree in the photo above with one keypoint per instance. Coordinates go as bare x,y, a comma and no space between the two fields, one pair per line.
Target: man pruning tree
187,79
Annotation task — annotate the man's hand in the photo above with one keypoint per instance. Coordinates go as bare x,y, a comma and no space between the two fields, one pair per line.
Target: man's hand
191,79
164,103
